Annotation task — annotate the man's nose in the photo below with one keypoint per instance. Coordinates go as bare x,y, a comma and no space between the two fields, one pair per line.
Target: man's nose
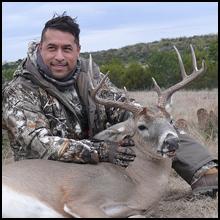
172,142
59,55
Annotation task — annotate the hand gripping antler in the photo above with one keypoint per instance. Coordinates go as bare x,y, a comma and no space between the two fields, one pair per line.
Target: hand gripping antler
164,96
129,106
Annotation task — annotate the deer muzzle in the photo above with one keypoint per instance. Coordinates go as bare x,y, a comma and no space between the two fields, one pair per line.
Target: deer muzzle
169,146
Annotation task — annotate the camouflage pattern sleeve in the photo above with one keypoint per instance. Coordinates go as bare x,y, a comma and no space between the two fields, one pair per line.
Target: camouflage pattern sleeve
30,134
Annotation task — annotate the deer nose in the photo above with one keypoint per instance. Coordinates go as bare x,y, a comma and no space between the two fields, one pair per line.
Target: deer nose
172,142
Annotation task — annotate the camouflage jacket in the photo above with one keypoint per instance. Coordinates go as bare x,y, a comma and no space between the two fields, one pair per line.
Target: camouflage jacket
38,122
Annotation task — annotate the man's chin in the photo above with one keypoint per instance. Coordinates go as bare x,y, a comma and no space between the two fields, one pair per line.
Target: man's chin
59,75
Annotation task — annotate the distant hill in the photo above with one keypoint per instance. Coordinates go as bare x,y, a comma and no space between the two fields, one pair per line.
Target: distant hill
134,65
140,52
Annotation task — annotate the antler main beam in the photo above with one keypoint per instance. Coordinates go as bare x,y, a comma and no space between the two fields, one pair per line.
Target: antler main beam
164,96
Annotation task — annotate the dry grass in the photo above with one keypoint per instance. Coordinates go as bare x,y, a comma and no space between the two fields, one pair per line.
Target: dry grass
178,201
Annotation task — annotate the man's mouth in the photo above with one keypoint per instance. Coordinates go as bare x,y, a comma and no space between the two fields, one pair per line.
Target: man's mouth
58,66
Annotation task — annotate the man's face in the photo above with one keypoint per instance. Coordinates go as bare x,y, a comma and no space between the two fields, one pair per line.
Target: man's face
59,52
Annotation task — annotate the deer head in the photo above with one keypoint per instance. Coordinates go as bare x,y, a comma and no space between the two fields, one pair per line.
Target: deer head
153,124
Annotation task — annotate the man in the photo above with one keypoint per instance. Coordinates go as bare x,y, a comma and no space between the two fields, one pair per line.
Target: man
50,115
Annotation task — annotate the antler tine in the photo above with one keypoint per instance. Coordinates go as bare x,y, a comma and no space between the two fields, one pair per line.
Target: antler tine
110,103
156,87
90,72
94,91
161,95
166,95
182,69
193,58
126,94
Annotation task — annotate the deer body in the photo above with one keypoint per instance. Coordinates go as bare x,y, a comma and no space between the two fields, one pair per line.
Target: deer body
88,191
103,190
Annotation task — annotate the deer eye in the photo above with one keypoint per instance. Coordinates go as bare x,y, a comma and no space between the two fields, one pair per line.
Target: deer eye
142,127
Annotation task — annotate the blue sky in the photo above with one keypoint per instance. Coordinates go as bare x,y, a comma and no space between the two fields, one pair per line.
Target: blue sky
106,25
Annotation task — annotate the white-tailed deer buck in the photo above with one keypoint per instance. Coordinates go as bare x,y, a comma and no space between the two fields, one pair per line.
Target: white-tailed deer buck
44,188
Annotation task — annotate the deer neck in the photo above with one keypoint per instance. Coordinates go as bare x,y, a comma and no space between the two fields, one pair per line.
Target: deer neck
158,169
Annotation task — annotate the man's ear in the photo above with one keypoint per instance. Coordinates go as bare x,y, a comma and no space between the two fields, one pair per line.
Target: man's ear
79,48
40,46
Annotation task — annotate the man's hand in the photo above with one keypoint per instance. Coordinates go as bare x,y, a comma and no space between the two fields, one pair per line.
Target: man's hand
120,153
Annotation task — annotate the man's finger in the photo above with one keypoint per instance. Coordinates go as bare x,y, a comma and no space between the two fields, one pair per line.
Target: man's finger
127,142
125,157
126,151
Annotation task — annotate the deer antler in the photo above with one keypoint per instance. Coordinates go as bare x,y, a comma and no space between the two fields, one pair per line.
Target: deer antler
129,106
164,96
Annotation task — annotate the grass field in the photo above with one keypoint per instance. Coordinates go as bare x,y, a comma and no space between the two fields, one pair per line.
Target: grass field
178,201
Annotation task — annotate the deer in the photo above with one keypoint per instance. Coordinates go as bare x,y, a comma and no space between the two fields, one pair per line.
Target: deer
47,188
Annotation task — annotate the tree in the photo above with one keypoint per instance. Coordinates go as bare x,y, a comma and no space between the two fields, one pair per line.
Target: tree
116,71
136,77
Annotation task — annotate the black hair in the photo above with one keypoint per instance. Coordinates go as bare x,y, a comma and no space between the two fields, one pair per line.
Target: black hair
63,23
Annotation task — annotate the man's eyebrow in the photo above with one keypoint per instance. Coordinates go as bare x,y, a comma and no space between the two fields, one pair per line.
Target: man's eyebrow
51,44
65,45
